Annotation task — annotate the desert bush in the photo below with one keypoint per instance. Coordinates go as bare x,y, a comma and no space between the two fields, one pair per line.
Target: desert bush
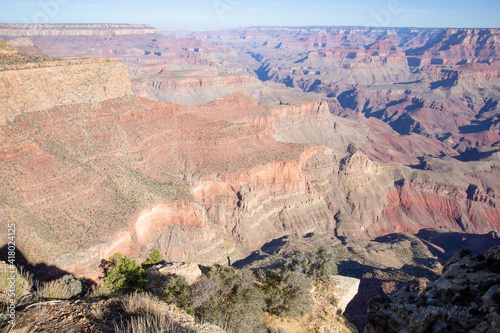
147,314
464,252
319,264
52,290
66,287
177,291
99,290
288,293
154,259
229,298
138,303
23,282
123,275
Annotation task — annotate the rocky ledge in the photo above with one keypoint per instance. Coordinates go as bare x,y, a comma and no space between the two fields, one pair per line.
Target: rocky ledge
466,298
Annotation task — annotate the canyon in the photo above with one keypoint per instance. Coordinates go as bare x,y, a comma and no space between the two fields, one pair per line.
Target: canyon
116,138
440,83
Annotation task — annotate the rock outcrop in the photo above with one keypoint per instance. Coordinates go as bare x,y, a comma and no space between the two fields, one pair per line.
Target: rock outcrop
465,299
324,315
345,290
105,315
158,274
42,86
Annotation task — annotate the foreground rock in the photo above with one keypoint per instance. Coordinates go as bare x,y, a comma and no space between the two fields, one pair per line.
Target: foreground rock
158,274
103,316
465,299
345,290
329,300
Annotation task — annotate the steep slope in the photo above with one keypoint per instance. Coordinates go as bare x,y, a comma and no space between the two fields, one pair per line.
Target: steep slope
464,299
42,86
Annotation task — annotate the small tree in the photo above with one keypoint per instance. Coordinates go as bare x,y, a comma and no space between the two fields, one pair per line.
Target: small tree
154,259
123,275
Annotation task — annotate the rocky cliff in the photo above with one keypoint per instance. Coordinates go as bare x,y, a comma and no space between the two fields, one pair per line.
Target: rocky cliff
128,174
42,86
465,299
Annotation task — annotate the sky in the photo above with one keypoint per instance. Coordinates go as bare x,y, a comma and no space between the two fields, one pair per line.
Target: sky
220,14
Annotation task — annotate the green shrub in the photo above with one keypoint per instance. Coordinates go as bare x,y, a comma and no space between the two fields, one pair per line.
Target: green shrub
177,291
229,298
123,275
154,259
288,294
319,264
234,299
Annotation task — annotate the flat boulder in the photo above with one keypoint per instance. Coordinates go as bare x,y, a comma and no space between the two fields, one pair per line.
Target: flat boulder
159,273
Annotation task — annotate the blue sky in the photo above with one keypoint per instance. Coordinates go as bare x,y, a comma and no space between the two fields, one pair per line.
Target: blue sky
216,14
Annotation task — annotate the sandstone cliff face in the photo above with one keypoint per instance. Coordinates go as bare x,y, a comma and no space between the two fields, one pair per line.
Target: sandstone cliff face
6,49
40,87
464,299
270,201
131,175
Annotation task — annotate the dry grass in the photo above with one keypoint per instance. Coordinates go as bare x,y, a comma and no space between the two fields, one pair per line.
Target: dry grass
99,290
17,328
23,282
150,324
98,313
143,303
148,314
53,290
